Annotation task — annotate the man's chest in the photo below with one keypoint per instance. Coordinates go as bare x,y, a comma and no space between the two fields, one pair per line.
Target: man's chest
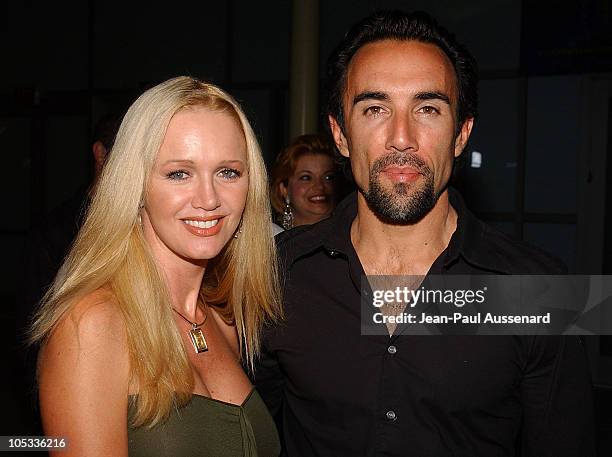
325,356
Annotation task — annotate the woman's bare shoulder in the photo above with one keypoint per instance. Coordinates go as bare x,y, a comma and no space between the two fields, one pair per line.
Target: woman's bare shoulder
93,327
95,321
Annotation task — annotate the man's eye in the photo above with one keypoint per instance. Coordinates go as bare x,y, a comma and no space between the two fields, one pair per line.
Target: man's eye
373,111
429,110
177,175
230,173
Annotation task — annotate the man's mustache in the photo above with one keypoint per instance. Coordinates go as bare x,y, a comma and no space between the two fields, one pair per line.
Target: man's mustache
401,159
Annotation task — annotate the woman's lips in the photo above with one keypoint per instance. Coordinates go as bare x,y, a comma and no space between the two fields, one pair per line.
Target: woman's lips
318,199
207,227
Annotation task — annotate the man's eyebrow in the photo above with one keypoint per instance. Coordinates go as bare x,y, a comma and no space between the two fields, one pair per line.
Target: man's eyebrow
433,96
370,95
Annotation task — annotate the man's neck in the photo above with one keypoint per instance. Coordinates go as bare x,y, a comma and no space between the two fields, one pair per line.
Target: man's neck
386,249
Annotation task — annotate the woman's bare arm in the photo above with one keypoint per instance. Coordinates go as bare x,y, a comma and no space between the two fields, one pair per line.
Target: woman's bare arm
83,380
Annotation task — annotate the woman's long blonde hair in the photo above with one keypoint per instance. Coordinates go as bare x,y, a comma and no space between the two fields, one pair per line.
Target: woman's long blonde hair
110,251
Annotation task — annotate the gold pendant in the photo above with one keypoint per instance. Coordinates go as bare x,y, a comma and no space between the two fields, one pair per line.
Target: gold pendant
198,340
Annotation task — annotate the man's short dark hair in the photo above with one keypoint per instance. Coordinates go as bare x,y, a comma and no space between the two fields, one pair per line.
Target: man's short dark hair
105,130
398,25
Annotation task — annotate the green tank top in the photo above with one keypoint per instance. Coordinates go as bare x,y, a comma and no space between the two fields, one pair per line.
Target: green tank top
209,428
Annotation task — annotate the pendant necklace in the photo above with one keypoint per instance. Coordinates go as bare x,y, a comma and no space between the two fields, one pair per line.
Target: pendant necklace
196,334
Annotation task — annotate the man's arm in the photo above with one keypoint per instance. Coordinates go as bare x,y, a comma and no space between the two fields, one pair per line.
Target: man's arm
557,399
268,377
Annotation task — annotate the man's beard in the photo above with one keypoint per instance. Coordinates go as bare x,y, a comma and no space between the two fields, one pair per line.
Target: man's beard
404,203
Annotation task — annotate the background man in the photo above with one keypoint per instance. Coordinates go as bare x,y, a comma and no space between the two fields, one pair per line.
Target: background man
46,246
402,105
48,242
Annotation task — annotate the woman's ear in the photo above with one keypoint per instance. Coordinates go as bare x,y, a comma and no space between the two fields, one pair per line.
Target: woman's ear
283,190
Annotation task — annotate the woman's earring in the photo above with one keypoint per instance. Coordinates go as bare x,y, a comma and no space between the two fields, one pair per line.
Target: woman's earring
238,232
140,207
287,214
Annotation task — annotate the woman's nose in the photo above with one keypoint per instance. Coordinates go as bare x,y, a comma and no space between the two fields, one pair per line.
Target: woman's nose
205,195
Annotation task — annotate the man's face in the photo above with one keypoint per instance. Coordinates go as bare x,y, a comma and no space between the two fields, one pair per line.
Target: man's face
400,106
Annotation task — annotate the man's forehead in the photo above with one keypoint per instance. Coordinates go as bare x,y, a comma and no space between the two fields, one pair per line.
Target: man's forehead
400,65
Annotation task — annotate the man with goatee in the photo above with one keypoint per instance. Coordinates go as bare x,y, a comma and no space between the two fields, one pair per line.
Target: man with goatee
403,100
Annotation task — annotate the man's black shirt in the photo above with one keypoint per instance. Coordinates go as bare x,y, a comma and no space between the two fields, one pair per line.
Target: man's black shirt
343,394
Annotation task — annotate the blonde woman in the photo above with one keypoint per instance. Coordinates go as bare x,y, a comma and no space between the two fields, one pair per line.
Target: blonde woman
165,290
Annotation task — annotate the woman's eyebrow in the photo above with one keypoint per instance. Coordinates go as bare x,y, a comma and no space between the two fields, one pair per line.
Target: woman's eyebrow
178,161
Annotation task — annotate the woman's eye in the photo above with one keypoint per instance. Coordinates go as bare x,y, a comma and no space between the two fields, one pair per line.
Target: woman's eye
304,178
230,173
330,177
177,175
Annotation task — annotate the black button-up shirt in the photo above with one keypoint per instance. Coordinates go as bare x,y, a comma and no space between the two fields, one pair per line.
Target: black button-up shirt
339,393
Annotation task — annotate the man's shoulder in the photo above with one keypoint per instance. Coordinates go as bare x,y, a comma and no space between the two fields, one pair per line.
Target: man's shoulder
510,255
295,233
330,233
292,243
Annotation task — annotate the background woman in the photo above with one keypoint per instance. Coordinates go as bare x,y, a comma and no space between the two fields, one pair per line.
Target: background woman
165,289
303,189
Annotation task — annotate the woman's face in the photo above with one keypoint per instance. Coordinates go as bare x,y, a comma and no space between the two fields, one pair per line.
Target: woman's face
311,188
198,186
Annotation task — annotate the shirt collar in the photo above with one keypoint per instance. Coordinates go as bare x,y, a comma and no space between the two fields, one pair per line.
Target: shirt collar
474,241
468,241
459,243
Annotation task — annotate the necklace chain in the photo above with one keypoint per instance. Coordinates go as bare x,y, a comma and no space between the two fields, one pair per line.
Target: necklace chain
193,324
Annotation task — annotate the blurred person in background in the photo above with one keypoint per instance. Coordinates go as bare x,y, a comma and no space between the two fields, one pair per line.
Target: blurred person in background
304,182
49,240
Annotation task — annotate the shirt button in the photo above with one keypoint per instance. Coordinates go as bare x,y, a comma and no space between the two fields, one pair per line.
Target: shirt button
391,415
391,349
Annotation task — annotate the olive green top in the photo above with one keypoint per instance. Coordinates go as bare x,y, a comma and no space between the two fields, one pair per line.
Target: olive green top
209,428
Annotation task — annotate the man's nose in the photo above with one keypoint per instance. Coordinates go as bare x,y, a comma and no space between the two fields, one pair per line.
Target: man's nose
205,195
402,133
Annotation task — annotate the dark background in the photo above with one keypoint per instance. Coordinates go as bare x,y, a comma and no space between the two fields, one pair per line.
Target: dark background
544,131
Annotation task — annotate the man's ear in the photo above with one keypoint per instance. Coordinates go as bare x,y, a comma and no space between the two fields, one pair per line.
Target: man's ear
338,135
463,136
99,153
